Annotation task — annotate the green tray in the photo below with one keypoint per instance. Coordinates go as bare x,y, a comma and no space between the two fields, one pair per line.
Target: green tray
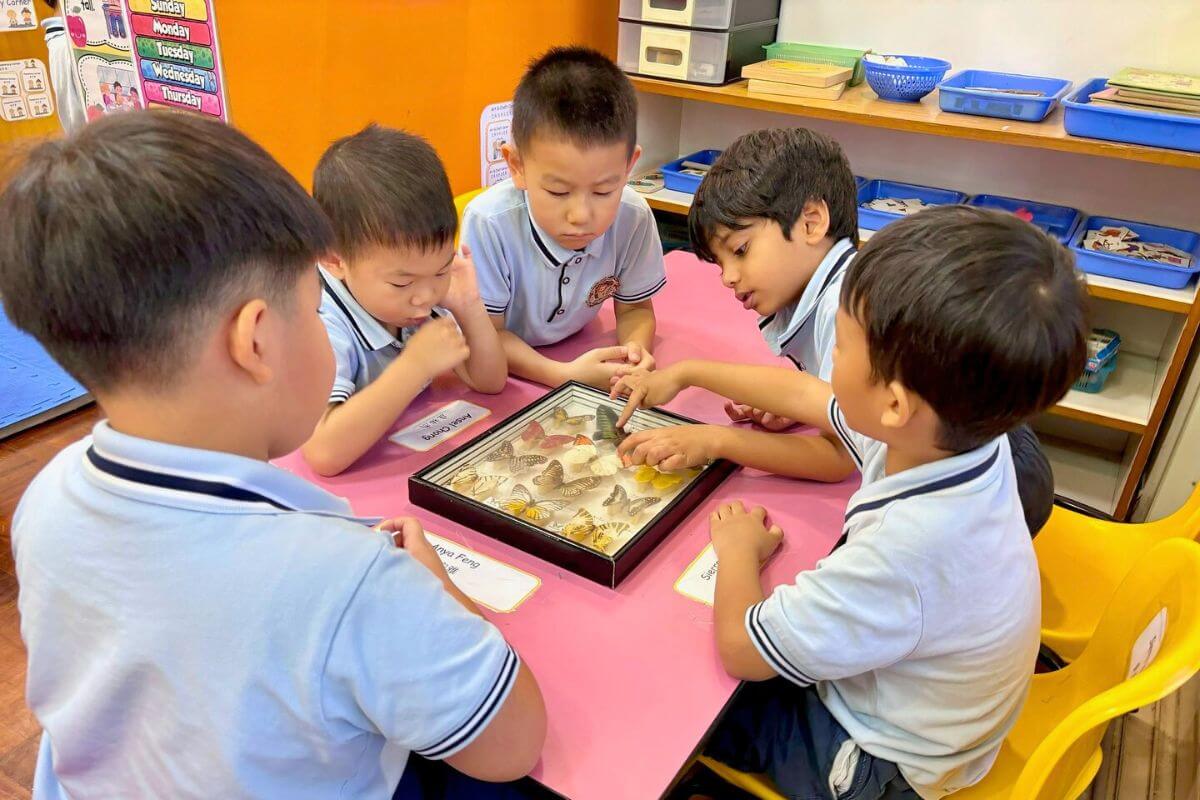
820,54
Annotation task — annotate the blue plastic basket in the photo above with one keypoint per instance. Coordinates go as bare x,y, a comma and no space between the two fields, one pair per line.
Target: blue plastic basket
859,182
1082,118
1138,270
1058,221
958,94
906,84
674,178
1092,381
874,220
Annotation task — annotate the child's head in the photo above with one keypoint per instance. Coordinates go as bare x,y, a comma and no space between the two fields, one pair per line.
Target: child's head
574,132
769,210
956,325
166,257
389,200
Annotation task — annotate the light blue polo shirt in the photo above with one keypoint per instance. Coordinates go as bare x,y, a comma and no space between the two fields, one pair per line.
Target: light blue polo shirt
205,625
545,291
921,629
362,347
804,331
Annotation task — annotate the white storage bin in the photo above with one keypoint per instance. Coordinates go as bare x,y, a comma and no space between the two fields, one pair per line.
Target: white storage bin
715,14
695,56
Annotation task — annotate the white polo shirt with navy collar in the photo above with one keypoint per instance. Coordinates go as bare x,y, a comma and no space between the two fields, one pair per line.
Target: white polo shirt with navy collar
919,630
205,625
547,292
362,347
804,331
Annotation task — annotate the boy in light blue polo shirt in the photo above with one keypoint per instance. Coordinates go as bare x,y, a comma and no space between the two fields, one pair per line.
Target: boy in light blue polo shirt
902,660
200,623
565,234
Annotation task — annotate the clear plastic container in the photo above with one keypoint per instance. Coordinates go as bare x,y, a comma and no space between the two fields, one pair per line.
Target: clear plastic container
714,14
694,56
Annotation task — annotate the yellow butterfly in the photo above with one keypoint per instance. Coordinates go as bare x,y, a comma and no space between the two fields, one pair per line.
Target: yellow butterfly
561,418
661,480
469,481
583,529
522,505
618,502
552,478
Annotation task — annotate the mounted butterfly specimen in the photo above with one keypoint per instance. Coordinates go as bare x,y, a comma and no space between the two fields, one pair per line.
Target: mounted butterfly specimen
551,479
618,503
606,426
522,505
561,418
583,529
468,480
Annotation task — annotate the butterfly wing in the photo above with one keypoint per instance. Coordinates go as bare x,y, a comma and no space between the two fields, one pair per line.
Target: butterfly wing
518,464
606,425
578,487
617,497
582,440
580,526
641,504
560,414
646,474
555,442
488,483
604,536
540,512
607,465
519,501
666,480
551,477
500,453
464,479
533,433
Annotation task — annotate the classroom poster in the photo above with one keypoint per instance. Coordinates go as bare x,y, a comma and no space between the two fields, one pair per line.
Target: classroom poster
495,126
177,57
17,15
102,47
24,90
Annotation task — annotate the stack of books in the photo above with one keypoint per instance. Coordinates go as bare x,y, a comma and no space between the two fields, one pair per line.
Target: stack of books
781,78
1156,92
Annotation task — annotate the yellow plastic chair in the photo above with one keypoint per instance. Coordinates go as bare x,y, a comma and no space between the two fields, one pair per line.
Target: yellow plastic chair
460,205
1082,560
1053,752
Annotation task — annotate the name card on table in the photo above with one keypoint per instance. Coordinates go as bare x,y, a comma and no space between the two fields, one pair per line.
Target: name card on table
445,423
490,583
699,581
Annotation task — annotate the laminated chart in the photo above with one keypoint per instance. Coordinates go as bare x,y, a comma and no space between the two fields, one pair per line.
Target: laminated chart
177,56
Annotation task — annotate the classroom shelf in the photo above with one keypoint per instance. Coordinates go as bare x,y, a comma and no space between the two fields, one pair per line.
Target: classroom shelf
1085,474
860,106
1127,400
1178,301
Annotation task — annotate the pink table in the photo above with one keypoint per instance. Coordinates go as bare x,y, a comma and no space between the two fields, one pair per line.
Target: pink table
631,677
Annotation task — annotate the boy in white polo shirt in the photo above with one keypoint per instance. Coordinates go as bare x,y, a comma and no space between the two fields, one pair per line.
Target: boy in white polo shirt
400,306
565,233
905,655
199,623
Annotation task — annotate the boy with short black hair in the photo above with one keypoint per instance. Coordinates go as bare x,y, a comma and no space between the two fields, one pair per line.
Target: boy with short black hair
778,212
913,642
198,622
565,233
400,306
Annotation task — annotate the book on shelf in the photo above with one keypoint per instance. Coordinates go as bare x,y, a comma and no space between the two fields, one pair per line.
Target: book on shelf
758,86
798,73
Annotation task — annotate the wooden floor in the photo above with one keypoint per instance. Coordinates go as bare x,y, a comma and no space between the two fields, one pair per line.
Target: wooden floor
1150,755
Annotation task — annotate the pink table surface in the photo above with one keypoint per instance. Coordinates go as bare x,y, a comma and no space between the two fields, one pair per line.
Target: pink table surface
631,676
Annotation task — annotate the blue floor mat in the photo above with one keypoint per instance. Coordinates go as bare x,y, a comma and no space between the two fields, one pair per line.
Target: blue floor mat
31,383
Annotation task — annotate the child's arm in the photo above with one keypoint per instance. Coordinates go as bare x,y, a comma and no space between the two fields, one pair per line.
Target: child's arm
817,458
786,392
486,369
635,330
350,429
742,542
595,367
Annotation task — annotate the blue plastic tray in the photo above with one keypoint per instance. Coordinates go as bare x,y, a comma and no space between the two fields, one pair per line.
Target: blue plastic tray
673,178
1058,221
1138,269
1081,118
859,182
874,220
956,94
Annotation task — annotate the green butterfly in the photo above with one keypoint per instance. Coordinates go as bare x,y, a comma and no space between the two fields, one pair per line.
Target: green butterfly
606,425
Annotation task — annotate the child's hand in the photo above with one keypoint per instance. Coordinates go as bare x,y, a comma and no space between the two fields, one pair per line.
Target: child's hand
639,359
408,535
763,419
597,367
733,528
436,347
646,390
464,285
677,447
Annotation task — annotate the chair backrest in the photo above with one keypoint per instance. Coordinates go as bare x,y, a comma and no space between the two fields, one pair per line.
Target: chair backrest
460,205
1184,522
1146,646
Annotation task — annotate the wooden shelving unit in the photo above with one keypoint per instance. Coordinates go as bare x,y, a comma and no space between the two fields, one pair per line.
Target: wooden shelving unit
1135,399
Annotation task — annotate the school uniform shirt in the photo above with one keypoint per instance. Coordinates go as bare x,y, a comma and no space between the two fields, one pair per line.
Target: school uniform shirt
804,331
546,291
921,629
205,625
362,347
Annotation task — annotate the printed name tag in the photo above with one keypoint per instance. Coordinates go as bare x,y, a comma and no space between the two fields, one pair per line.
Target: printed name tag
485,580
699,581
428,432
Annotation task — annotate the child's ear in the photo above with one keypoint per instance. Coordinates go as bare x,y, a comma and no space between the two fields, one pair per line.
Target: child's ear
334,265
633,159
814,221
516,167
900,407
247,341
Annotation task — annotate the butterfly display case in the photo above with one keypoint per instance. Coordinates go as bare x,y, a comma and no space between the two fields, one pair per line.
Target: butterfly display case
548,481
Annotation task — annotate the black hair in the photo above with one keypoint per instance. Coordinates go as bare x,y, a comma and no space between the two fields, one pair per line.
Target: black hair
386,187
981,314
577,93
121,244
771,174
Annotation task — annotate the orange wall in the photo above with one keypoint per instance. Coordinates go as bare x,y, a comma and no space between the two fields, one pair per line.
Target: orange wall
296,81
27,44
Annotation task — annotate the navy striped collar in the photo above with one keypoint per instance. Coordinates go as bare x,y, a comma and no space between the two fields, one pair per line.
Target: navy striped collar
200,480
370,331
782,326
